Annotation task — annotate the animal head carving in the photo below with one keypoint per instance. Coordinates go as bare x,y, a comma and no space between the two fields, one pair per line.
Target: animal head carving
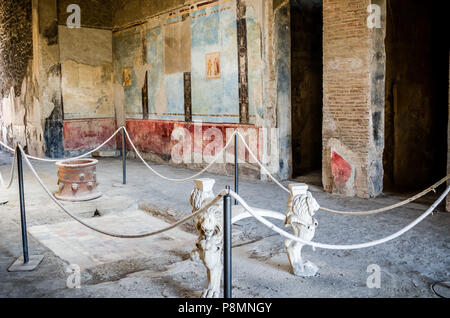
208,225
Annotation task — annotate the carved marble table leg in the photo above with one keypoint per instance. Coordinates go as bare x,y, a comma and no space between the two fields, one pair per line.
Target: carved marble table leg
299,215
209,244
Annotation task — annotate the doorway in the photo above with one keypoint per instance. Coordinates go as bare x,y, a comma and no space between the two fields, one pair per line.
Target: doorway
417,69
307,89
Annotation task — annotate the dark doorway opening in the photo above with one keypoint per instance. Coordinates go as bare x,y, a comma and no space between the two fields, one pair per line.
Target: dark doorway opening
307,89
417,66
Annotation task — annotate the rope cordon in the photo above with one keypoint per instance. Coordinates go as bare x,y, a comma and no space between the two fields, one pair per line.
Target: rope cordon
123,236
216,157
11,175
66,159
251,153
287,235
249,210
8,185
267,172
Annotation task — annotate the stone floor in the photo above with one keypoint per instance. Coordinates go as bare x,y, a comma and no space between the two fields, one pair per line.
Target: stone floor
160,266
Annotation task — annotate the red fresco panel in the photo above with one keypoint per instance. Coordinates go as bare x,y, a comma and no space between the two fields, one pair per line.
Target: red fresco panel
85,134
156,136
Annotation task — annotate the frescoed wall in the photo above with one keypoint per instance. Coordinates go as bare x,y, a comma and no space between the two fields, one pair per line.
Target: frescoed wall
126,47
255,64
193,64
196,41
213,29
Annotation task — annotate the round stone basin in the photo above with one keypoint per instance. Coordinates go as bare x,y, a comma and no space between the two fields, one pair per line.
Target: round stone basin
77,180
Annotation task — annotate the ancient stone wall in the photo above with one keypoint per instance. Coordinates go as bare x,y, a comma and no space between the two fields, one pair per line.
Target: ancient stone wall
16,44
87,87
95,14
164,57
16,52
129,12
347,122
377,57
282,52
86,75
20,114
47,71
86,61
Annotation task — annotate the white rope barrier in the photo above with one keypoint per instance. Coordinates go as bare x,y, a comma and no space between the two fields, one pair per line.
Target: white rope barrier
183,179
391,207
358,213
67,159
249,210
287,235
11,175
266,171
252,154
136,236
8,185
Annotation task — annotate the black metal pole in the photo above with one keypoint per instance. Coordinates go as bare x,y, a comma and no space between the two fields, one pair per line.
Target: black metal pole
26,258
236,166
227,259
124,157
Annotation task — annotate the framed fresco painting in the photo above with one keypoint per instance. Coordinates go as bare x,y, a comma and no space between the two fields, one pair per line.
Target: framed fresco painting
126,77
213,65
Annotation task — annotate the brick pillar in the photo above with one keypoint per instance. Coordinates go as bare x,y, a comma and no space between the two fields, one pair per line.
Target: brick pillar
353,87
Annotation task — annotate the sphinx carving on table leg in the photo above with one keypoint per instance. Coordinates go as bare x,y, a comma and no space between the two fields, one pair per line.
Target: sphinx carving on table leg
299,215
210,237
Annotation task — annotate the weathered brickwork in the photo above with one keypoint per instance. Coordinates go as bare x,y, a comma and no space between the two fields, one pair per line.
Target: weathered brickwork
20,113
16,44
347,98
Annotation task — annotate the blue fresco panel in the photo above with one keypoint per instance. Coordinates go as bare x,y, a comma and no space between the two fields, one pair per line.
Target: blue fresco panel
214,100
125,45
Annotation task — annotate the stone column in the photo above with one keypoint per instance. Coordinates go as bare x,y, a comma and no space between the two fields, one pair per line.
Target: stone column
47,72
282,35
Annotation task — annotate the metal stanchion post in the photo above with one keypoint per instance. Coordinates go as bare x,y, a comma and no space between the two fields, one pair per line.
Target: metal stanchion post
26,263
227,292
23,217
236,166
124,157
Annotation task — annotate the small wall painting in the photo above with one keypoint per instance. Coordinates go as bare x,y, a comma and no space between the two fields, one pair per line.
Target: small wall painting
213,65
126,77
